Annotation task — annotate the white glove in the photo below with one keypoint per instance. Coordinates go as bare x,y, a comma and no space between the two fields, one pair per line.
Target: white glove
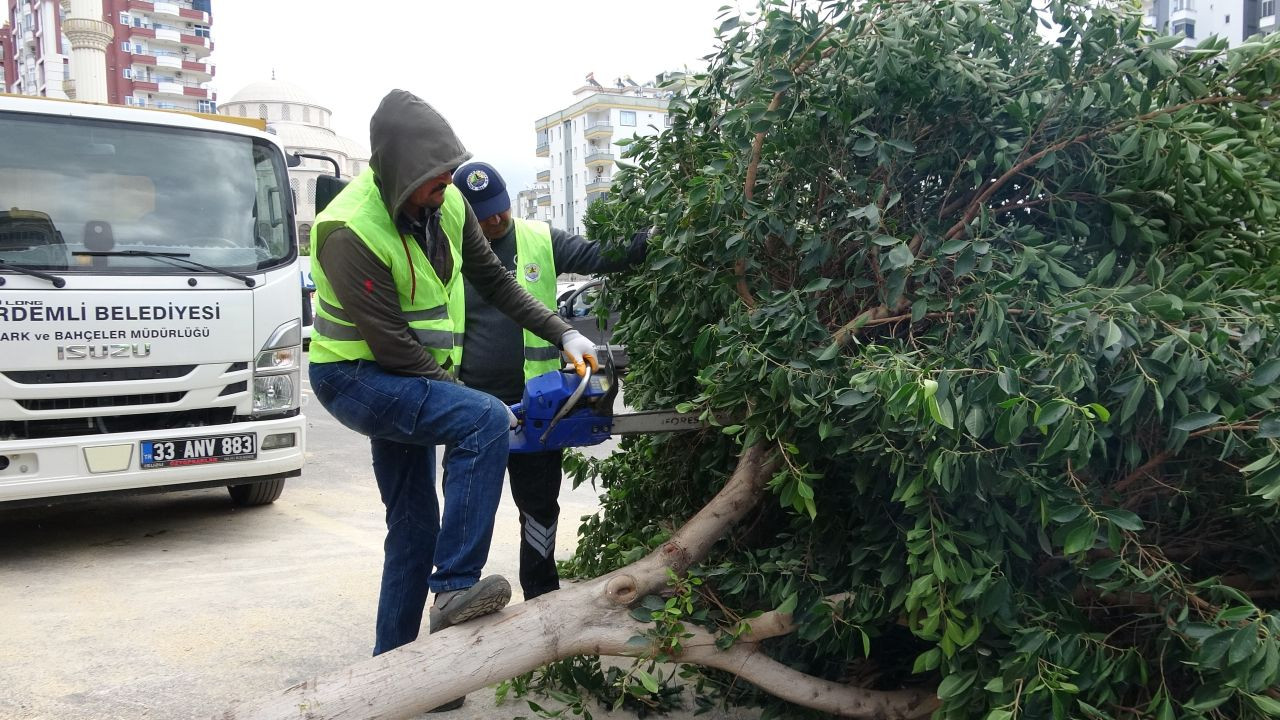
579,350
511,417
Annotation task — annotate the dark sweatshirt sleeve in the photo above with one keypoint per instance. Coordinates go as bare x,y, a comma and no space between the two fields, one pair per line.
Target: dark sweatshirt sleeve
500,289
576,254
368,295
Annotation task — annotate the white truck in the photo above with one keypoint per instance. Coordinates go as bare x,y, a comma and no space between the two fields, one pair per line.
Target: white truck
150,311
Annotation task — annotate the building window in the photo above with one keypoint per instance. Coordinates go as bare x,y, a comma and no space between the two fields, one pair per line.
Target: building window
262,111
206,106
242,111
128,73
1185,28
293,188
306,114
1268,8
124,18
1182,5
666,121
284,112
125,46
627,118
304,235
311,192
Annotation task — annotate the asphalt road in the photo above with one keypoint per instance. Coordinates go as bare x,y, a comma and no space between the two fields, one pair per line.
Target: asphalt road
177,605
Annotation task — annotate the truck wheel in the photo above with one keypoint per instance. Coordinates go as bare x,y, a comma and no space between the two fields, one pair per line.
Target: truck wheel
259,493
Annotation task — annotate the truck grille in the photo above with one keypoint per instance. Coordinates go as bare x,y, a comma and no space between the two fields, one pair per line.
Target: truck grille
61,427
84,375
105,401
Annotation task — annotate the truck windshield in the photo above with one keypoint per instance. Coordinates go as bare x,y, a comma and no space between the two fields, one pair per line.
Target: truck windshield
71,185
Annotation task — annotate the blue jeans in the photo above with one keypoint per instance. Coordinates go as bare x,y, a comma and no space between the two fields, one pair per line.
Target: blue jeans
405,418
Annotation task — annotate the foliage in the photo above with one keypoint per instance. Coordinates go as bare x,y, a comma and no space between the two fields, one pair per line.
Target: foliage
1006,307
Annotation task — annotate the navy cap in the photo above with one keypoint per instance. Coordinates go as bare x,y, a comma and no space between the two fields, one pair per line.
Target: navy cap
483,187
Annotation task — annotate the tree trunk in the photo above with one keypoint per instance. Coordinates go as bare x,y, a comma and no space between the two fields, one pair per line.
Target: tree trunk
590,618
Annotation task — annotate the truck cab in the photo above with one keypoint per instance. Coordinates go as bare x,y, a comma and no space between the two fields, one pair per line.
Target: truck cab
150,312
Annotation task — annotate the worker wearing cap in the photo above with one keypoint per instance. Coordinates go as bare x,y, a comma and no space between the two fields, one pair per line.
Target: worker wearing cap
498,356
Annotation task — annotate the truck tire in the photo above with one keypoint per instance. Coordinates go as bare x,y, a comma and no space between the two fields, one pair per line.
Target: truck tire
259,493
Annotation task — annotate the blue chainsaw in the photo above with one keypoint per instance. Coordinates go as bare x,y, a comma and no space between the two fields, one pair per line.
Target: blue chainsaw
561,409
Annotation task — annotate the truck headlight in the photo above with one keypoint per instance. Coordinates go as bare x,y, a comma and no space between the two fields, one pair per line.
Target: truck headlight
272,393
277,370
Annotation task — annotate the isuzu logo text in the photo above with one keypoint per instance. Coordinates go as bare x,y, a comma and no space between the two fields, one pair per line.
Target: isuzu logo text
102,352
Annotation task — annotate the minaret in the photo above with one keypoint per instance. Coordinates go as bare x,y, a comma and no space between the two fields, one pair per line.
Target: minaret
89,37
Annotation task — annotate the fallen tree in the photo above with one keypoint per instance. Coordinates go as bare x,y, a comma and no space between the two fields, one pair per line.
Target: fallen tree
995,317
592,618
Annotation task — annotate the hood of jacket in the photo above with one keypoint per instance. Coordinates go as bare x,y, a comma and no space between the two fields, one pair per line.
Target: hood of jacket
410,142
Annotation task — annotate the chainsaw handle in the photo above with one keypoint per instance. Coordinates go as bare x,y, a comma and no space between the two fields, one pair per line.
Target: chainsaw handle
569,404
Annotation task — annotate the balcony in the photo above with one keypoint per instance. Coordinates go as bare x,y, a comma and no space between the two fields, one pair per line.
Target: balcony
599,156
543,149
543,176
544,200
602,129
599,184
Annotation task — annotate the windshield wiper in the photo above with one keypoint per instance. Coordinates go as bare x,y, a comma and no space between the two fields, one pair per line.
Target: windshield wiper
53,279
175,259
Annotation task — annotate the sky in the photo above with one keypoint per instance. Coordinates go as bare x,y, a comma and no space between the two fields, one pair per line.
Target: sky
491,68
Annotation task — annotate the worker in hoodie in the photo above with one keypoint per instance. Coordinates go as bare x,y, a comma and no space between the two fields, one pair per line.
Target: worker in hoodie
499,358
388,254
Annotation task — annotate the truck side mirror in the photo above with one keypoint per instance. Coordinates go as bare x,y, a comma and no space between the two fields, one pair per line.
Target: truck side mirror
327,188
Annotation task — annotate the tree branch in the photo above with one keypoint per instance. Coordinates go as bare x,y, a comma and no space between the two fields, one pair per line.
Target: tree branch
588,618
852,328
1159,458
976,204
753,167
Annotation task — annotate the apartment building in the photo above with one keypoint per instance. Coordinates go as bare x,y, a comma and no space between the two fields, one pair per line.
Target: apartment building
579,141
1235,20
157,54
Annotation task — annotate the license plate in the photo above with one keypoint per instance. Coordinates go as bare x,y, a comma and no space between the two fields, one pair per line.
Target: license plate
181,452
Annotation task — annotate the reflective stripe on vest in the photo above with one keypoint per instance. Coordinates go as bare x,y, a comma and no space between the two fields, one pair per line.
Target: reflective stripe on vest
428,304
536,273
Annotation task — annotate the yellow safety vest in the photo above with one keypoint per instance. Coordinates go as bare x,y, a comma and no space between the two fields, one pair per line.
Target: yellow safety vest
431,307
536,273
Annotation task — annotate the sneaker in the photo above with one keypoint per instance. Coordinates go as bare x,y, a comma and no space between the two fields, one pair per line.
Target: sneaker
451,607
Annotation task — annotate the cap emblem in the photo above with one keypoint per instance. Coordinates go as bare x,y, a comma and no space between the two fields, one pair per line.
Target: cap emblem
477,180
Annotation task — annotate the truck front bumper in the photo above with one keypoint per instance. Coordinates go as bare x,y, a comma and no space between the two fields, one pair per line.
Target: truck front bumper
58,467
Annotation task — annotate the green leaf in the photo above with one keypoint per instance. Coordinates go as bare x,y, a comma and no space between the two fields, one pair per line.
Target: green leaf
1267,705
1113,335
850,398
828,354
942,413
1123,519
953,685
904,145
1080,538
951,247
789,605
1266,374
1269,427
899,256
1196,420
649,682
